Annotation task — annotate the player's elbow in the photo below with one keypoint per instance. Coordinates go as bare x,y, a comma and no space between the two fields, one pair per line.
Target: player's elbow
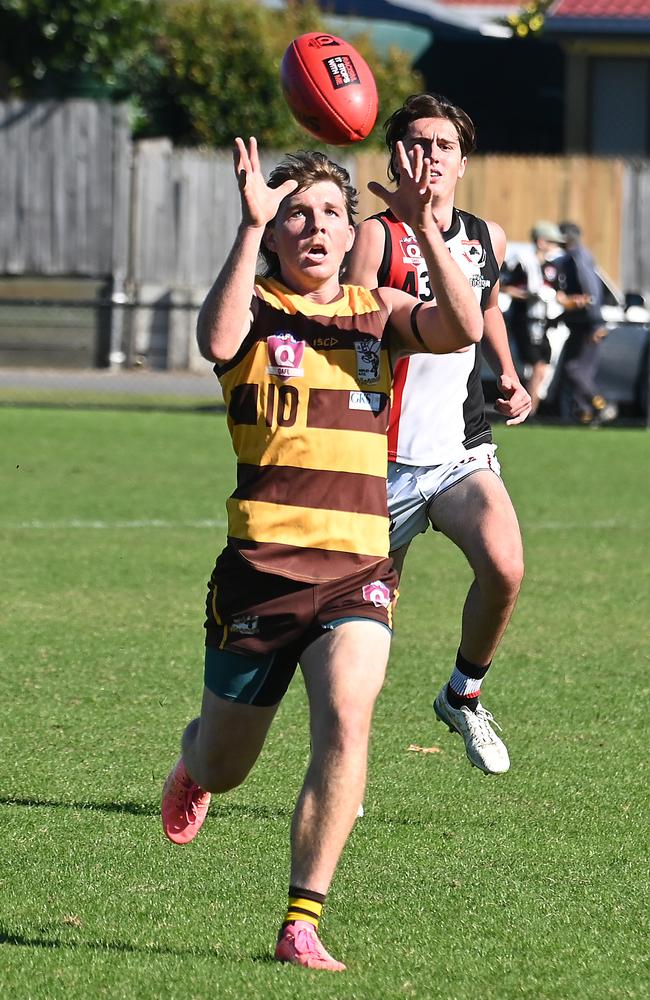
212,347
213,344
475,329
468,331
205,341
474,323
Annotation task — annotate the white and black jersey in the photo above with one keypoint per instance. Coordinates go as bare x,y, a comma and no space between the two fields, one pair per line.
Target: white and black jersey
438,408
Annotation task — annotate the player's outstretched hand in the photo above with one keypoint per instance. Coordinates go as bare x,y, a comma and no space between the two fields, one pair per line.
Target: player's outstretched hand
259,202
411,201
515,403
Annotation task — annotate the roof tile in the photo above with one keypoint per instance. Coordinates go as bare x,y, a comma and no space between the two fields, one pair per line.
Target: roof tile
610,9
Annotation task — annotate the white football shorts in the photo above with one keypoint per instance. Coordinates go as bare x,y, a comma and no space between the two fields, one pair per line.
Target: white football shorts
412,488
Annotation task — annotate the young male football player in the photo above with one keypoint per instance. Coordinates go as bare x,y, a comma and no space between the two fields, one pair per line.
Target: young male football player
443,469
305,368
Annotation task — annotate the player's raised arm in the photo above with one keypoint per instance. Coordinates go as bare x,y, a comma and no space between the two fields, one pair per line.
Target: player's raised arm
364,260
455,321
225,317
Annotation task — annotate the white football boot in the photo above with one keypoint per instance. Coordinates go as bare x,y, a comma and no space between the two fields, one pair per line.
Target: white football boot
484,748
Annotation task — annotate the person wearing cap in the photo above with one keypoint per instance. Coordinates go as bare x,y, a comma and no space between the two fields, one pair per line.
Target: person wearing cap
529,277
579,292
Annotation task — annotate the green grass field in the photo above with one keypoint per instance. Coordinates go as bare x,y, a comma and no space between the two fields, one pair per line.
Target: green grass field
454,885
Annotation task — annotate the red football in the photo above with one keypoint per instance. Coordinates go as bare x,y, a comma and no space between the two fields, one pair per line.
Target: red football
329,87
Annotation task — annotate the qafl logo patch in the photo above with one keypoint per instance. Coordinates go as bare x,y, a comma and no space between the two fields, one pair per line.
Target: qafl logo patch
410,250
285,355
377,593
474,253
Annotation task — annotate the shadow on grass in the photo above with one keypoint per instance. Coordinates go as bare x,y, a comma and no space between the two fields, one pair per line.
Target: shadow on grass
223,809
36,941
9,937
114,405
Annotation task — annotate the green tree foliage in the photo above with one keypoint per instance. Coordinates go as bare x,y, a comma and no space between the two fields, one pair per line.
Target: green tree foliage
222,60
222,70
199,71
59,47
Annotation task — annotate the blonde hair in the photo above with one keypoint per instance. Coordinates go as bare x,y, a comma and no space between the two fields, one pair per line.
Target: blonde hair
309,168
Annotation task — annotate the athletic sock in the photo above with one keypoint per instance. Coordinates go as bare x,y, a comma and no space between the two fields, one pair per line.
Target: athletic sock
304,905
464,685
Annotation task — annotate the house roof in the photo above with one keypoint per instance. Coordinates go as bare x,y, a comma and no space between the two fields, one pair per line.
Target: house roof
484,17
499,6
445,18
602,8
465,18
565,16
598,17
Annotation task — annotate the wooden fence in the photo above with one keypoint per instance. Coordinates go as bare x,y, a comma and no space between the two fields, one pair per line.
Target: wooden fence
78,198
516,191
64,187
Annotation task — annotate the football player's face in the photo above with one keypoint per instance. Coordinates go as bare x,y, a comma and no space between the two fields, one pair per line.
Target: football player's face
441,144
311,234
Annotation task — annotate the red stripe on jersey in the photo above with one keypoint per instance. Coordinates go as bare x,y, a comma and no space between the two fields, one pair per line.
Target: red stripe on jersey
399,381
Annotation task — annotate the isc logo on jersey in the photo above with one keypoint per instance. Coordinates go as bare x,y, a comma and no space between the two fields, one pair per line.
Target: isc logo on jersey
285,355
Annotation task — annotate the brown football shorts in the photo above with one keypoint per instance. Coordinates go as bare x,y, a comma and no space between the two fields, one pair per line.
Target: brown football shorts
258,624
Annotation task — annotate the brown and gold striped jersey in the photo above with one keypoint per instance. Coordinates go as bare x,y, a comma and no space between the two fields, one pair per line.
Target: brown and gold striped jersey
307,397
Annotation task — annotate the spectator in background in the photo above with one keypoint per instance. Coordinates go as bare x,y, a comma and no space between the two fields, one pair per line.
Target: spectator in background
580,295
529,278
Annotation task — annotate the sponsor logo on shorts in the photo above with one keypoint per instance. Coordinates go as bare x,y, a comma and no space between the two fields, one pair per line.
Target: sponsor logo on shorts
377,593
245,624
370,401
342,71
476,281
368,354
465,461
285,355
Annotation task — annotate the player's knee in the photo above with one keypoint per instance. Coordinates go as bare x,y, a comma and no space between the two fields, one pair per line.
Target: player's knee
512,575
344,728
505,576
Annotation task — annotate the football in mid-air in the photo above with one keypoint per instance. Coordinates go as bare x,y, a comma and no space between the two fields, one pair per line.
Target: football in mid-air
329,88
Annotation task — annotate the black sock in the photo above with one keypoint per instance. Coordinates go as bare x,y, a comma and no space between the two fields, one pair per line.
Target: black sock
464,686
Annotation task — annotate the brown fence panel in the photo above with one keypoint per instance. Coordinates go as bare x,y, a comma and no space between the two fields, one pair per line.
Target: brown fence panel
515,191
635,259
